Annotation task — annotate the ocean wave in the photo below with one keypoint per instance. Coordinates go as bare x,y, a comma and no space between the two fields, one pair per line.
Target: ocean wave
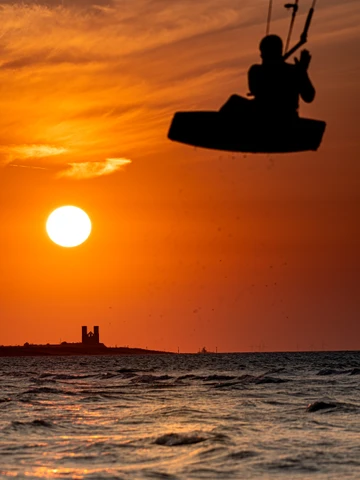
107,375
62,376
42,381
127,372
330,371
296,465
319,405
228,385
189,376
273,371
151,378
181,411
242,455
130,370
218,378
178,439
96,398
48,390
333,371
34,424
247,379
265,379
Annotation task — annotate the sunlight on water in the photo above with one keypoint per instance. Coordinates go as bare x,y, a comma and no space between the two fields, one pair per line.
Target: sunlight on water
181,416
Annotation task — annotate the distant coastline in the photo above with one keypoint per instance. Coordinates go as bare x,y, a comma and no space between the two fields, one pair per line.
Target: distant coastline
90,345
68,349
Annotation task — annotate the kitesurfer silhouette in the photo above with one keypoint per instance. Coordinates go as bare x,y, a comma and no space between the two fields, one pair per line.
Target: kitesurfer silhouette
275,85
269,121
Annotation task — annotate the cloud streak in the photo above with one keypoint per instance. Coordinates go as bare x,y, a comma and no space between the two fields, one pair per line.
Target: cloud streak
94,169
25,153
27,166
33,151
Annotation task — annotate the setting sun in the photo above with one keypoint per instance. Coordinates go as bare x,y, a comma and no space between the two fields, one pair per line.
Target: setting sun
68,226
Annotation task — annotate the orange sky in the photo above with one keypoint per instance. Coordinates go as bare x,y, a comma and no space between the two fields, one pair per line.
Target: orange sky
189,247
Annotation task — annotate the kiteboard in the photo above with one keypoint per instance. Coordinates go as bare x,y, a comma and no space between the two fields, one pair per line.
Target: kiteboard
217,131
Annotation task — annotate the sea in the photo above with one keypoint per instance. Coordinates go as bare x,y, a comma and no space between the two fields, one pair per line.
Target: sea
200,416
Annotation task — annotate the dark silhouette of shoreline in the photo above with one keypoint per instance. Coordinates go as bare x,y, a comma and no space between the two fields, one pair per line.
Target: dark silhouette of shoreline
90,345
68,349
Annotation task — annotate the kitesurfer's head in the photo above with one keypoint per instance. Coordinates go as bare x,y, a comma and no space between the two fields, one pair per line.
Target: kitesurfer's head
271,48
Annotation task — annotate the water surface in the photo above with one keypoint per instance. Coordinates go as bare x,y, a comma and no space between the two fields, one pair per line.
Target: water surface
181,416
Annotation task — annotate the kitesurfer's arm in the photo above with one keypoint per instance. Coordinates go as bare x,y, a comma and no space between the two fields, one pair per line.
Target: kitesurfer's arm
306,88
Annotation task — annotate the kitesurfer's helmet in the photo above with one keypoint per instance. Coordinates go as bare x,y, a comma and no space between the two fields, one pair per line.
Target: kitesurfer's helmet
271,48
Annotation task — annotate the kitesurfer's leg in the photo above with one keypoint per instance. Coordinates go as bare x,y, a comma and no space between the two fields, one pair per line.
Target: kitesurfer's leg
236,104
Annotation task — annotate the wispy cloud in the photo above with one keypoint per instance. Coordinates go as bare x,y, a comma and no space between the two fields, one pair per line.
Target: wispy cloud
33,151
13,154
33,167
94,169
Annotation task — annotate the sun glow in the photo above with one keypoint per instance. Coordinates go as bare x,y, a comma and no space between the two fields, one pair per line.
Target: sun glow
68,226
